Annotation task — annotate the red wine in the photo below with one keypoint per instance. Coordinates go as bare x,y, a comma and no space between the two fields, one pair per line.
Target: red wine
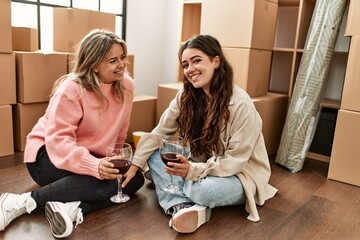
169,157
122,165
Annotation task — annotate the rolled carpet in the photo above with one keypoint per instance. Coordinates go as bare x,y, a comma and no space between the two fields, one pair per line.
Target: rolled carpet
310,85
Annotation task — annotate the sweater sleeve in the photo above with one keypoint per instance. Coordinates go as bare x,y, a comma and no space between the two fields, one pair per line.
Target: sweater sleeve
65,113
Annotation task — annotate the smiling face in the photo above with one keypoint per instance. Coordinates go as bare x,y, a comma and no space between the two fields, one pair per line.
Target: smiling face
112,67
199,68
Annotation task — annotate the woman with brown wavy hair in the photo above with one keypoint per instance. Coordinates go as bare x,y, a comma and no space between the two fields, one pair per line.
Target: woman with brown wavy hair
226,162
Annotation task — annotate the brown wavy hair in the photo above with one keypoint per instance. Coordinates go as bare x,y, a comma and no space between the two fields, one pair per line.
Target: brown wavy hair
201,119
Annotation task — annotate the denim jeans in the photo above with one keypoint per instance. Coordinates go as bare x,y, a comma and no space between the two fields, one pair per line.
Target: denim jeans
210,191
64,186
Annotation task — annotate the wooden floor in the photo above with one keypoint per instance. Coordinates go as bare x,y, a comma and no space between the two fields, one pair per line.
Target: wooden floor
307,206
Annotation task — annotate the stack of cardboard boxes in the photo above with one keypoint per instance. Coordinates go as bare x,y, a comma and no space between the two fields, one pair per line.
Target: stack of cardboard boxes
247,39
7,80
28,74
344,161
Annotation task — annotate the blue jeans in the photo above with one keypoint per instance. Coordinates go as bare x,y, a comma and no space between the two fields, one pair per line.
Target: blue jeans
210,191
64,186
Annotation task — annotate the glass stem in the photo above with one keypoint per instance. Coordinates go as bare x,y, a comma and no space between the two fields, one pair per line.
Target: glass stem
119,186
171,179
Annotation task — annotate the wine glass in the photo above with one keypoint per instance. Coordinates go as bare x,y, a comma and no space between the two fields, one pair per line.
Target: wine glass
171,146
120,154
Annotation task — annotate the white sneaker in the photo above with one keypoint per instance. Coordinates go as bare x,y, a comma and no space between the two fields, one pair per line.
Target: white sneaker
189,219
61,217
13,206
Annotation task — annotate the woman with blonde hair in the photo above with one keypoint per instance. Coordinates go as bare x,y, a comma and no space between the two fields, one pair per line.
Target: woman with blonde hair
65,152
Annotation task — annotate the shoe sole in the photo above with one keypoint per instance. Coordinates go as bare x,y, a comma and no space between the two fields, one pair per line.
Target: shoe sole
189,219
60,224
5,222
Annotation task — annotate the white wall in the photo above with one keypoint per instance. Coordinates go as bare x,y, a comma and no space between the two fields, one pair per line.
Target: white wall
153,35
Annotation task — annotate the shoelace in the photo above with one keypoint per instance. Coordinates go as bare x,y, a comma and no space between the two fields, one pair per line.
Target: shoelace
79,217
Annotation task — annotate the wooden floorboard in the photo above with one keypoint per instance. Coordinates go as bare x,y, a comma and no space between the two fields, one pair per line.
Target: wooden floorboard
307,206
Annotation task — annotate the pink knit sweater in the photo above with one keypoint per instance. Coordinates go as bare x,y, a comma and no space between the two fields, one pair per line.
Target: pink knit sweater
75,129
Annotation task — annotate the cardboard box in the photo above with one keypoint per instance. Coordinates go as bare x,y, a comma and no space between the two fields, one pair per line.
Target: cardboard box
25,39
25,118
36,73
344,161
5,27
166,93
353,19
6,131
272,109
142,115
7,78
251,69
246,24
71,25
351,89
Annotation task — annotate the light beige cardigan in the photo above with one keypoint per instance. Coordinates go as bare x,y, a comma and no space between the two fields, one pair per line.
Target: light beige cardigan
244,153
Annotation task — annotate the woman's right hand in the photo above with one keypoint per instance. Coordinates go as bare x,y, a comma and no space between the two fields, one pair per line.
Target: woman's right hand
107,170
129,175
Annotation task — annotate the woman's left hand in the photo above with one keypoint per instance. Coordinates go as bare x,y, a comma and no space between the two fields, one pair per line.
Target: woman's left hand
107,170
178,169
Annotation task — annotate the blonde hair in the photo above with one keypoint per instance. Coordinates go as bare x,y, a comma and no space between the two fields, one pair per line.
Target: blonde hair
89,52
